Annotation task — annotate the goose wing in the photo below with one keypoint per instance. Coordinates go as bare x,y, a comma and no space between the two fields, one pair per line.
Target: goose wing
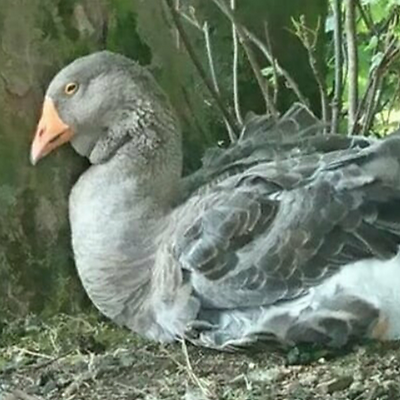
279,227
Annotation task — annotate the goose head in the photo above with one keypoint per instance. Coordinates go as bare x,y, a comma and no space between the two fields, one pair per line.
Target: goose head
101,102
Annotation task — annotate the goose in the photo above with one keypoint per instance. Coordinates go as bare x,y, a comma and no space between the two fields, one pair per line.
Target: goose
287,236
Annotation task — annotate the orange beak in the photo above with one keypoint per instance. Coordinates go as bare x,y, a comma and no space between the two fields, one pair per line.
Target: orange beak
51,132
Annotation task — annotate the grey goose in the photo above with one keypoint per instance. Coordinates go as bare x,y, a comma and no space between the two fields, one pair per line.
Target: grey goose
287,236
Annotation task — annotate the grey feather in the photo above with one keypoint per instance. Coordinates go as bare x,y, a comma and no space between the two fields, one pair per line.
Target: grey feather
226,255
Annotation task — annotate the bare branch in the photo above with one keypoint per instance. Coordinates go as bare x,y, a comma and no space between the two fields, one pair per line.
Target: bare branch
371,104
370,101
192,21
361,107
236,102
193,56
393,100
177,6
391,19
19,394
337,97
351,35
262,83
273,61
268,55
369,23
309,39
210,58
390,55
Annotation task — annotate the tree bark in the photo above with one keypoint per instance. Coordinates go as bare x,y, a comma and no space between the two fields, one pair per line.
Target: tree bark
37,37
337,96
351,35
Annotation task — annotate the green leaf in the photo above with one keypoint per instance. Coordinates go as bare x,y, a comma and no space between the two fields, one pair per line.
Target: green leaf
372,43
376,60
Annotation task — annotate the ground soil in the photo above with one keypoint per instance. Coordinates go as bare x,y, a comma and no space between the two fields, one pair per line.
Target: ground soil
83,358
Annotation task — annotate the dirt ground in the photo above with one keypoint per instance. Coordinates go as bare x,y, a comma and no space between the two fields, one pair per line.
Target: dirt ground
86,358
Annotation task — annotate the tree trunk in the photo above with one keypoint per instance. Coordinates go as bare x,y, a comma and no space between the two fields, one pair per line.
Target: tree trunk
37,38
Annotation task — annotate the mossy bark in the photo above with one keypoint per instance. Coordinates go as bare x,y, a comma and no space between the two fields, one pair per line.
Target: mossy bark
37,38
36,269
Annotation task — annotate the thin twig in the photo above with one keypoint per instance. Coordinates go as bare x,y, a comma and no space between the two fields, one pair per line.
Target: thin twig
305,34
188,368
205,391
262,83
177,35
235,64
33,353
290,81
19,394
190,20
392,53
351,35
273,61
337,97
210,58
49,361
193,56
369,23
372,392
371,99
136,391
369,103
393,15
393,100
361,106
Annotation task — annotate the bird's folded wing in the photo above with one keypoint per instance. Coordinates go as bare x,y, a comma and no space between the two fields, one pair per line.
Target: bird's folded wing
277,229
297,134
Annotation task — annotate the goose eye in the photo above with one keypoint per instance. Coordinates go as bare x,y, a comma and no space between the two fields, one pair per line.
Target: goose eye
70,88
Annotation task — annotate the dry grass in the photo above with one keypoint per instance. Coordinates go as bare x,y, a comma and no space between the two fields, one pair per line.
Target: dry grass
83,358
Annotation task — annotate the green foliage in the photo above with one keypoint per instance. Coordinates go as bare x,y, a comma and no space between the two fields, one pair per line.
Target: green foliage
377,29
122,36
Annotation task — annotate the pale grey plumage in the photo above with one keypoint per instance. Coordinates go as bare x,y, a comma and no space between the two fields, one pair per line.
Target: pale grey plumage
225,255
